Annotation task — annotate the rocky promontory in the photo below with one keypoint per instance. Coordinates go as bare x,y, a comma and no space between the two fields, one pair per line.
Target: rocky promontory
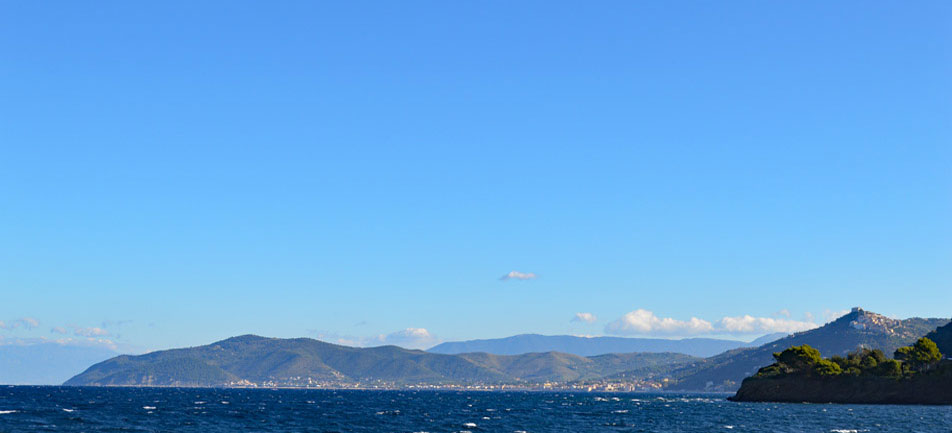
917,375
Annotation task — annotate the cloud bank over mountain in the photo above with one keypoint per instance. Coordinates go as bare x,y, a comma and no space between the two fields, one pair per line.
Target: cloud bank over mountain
409,338
646,323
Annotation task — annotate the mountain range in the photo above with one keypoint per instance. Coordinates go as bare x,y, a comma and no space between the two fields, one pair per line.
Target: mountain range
249,359
302,361
593,346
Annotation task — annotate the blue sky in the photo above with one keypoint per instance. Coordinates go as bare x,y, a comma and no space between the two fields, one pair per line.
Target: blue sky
178,172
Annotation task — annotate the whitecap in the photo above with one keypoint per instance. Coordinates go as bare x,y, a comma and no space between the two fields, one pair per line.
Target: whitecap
69,410
469,424
4,412
148,407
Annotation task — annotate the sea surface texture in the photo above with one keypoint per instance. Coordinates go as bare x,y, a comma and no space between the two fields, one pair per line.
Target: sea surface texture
32,409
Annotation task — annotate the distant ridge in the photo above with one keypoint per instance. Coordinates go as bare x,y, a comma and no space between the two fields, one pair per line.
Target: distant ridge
943,338
858,328
593,346
769,338
251,360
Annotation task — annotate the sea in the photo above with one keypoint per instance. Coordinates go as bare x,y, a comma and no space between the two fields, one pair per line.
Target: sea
80,409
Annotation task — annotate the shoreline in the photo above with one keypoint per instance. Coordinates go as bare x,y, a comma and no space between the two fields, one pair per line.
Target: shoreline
398,389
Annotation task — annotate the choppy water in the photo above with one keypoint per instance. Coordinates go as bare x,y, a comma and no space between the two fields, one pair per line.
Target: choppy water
29,409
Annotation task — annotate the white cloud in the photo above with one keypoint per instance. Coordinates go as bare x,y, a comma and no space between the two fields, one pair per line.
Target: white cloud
89,332
584,317
516,275
66,341
410,338
644,322
24,322
782,313
335,338
747,324
89,342
59,330
831,315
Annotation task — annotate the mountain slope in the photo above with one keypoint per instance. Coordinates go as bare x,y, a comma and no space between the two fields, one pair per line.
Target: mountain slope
587,346
769,338
564,367
942,337
859,328
302,361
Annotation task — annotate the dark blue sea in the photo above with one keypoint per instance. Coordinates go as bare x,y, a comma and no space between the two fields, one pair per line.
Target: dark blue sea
36,409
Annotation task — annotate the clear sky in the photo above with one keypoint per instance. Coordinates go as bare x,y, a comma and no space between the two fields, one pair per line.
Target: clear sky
174,173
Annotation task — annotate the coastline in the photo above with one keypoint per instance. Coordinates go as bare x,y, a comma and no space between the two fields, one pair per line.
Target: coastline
926,390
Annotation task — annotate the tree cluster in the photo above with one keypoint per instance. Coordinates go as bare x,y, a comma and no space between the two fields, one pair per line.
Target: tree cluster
804,360
922,356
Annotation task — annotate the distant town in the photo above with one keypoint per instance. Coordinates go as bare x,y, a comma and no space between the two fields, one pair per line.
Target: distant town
585,386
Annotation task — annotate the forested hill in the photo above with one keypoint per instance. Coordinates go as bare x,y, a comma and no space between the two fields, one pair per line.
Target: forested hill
943,338
857,329
917,375
252,359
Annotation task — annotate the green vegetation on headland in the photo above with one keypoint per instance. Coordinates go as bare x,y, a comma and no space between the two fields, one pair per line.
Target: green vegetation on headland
858,328
916,375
